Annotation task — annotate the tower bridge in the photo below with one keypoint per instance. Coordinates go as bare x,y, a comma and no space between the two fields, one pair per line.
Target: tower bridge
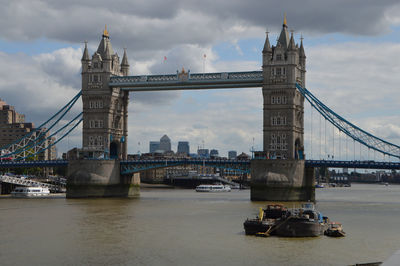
279,171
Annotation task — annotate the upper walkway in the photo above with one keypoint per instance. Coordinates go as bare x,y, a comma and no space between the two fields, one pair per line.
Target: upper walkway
187,81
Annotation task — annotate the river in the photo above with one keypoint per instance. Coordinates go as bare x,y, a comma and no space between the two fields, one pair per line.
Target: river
182,227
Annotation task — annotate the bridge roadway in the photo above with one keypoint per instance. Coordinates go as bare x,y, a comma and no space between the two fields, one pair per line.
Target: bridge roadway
131,166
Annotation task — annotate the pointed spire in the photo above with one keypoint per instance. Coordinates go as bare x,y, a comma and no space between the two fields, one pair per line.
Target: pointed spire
302,53
284,36
267,45
85,56
284,20
107,55
292,45
125,59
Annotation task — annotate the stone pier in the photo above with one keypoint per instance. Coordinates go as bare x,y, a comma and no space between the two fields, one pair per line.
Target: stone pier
281,180
100,178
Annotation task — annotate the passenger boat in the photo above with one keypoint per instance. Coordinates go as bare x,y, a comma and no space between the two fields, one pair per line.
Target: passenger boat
28,192
335,230
213,188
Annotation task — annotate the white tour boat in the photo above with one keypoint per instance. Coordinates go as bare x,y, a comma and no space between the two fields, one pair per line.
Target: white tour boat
27,192
213,188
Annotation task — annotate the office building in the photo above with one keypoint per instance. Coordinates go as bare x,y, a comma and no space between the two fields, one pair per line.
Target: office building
232,155
154,146
203,153
214,153
183,147
165,144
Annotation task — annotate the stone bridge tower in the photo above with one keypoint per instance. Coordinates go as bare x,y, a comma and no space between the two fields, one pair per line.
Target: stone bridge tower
105,129
282,175
283,67
105,109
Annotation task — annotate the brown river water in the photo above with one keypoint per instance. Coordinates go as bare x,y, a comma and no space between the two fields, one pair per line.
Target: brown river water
182,227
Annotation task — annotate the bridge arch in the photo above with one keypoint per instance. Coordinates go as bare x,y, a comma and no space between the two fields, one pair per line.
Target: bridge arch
114,149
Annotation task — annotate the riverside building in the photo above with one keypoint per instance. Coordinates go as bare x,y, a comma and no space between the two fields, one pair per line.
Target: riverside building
13,127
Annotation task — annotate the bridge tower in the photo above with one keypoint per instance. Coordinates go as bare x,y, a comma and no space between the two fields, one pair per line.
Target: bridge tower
105,129
283,67
281,175
105,109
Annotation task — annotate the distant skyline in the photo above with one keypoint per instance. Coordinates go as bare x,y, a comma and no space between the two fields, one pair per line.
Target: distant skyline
352,49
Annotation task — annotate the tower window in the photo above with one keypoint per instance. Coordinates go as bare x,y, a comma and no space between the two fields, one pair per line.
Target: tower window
278,71
278,57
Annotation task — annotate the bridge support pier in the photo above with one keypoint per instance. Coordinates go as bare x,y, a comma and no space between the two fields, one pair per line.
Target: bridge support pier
100,178
281,180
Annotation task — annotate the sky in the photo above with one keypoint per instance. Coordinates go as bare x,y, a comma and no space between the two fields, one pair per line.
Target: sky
352,49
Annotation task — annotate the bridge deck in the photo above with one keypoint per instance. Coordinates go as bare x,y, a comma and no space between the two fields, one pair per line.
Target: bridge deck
188,81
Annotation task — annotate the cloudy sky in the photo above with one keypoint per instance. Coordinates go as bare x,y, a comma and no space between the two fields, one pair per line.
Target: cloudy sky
352,49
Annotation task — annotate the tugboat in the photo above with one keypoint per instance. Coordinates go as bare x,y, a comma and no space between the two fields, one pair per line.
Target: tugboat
335,230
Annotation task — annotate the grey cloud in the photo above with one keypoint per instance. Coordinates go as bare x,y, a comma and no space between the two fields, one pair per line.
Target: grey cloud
145,26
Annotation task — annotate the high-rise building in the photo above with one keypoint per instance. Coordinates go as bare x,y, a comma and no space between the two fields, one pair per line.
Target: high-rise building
154,145
165,144
214,153
232,155
183,147
13,127
203,153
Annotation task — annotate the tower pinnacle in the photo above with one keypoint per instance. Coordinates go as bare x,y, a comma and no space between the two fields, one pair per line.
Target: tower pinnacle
124,59
105,32
85,56
284,20
267,45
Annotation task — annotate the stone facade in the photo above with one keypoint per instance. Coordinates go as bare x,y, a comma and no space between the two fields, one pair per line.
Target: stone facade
283,67
281,180
105,109
100,178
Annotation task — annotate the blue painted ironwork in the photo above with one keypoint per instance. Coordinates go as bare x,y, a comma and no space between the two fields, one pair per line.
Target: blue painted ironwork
188,81
350,129
59,139
354,164
25,164
242,166
30,141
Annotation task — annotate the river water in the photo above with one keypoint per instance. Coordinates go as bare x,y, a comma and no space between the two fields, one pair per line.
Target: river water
182,227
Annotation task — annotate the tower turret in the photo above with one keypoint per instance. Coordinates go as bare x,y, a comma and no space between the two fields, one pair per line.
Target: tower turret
125,64
267,51
85,59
